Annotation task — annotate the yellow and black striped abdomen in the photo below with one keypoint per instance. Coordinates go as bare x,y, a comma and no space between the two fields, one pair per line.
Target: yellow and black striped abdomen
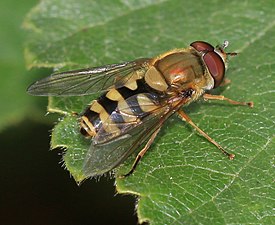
124,105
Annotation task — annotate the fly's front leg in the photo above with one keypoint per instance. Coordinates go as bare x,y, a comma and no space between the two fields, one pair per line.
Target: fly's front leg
187,119
222,98
225,82
141,153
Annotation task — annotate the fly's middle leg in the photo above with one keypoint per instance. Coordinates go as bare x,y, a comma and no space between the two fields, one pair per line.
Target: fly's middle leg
187,119
141,153
222,98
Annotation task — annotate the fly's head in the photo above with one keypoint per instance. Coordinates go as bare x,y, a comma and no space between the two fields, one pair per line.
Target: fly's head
215,59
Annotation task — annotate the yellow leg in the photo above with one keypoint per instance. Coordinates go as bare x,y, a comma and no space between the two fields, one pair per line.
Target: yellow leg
222,98
188,120
141,153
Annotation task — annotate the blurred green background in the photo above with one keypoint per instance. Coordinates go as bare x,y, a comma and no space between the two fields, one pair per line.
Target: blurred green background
34,188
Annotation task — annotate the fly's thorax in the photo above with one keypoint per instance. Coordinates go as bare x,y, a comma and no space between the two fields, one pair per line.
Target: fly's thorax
179,68
182,68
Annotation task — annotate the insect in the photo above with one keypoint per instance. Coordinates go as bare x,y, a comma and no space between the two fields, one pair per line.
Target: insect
138,97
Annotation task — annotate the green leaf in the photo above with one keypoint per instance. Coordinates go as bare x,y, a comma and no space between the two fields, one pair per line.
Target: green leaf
16,104
182,179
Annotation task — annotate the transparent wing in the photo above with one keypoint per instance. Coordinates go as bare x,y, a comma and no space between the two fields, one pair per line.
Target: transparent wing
85,81
111,146
129,114
102,158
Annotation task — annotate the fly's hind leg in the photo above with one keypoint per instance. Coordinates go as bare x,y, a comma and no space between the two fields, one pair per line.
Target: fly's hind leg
141,153
222,98
187,119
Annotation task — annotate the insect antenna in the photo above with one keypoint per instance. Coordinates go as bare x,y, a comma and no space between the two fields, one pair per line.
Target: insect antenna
231,53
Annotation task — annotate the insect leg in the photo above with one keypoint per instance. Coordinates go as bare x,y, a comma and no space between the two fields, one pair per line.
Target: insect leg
187,119
225,82
141,153
222,98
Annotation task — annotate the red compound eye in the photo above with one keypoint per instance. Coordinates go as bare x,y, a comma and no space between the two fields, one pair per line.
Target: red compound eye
212,60
215,66
202,46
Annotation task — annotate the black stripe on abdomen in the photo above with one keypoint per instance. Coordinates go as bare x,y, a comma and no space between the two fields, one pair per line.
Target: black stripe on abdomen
134,106
93,117
142,87
130,96
108,104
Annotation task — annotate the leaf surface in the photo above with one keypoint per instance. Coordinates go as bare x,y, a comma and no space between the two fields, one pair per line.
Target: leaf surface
182,179
16,104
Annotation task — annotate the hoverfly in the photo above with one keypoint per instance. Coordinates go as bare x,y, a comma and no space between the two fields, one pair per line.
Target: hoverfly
138,96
